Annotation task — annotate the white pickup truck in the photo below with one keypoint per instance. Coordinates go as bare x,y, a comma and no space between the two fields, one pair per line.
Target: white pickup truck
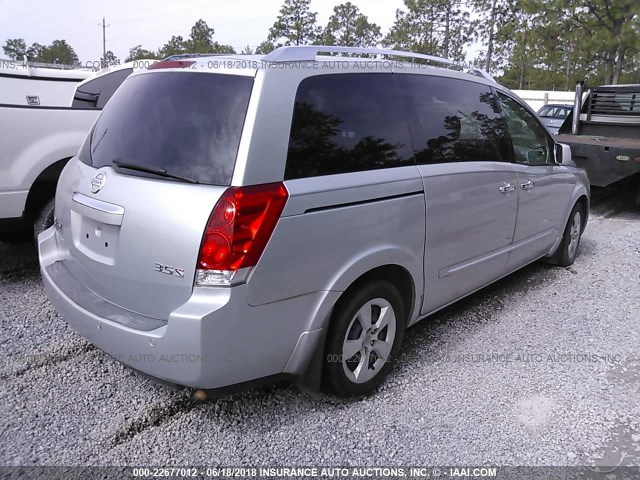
36,141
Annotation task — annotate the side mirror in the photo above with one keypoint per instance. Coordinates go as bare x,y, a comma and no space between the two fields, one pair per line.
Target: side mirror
562,155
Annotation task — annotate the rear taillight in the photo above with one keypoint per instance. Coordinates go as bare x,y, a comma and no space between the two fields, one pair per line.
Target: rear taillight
239,228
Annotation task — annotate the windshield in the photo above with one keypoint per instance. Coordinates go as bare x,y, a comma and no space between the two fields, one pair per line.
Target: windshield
186,124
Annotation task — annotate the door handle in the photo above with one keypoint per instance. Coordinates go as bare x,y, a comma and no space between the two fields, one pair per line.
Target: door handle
507,187
527,185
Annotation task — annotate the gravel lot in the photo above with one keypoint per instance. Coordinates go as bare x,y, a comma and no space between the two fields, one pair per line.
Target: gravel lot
558,383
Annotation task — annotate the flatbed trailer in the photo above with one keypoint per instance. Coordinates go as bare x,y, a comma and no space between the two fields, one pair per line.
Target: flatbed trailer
604,132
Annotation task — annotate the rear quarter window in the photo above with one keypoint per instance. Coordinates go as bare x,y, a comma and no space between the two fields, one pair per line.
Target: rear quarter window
347,123
97,92
186,123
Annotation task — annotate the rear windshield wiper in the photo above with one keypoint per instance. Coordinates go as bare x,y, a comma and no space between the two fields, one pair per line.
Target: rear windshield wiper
155,171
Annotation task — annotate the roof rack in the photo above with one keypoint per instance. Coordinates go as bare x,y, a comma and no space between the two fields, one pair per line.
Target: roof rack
301,53
180,56
308,53
481,73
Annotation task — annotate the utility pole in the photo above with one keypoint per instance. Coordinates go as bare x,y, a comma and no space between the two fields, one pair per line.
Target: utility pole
104,42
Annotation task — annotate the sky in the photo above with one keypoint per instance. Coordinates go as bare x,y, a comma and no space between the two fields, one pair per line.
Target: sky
151,23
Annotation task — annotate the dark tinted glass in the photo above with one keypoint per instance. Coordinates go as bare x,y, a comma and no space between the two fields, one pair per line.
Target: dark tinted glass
186,123
347,123
453,120
96,93
529,137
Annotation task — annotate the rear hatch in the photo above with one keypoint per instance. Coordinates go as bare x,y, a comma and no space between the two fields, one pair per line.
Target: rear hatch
134,208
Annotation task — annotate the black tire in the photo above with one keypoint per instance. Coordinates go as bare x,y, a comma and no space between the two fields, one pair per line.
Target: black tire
348,326
44,219
570,245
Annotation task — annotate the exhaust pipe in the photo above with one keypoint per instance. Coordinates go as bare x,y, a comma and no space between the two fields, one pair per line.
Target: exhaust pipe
577,107
200,396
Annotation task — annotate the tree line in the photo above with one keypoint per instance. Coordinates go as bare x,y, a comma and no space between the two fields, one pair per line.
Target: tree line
532,44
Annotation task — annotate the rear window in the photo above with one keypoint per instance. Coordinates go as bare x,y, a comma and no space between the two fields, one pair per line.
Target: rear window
185,123
347,123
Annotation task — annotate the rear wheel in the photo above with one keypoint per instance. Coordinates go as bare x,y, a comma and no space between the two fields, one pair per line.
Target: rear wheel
364,338
568,249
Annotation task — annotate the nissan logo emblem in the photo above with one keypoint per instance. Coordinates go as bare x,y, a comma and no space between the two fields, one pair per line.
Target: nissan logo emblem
98,182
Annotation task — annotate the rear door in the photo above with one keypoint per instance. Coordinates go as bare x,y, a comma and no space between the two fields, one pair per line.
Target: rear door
545,188
462,152
159,158
355,195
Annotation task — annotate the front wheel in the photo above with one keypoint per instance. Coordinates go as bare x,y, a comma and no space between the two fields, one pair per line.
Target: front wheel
364,338
568,249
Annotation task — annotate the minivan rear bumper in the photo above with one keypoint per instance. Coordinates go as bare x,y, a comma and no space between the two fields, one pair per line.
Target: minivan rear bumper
214,340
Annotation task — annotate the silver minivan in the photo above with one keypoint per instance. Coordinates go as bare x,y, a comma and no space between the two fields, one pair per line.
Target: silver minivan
238,219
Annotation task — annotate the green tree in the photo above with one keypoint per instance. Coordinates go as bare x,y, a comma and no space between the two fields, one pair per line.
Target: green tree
296,24
350,28
406,34
556,55
110,59
60,52
221,48
35,52
520,47
139,53
492,27
201,39
612,25
265,47
435,27
174,46
247,50
15,48
552,43
632,69
454,27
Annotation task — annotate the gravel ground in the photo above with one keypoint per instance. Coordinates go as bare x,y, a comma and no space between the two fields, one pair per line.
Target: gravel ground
542,368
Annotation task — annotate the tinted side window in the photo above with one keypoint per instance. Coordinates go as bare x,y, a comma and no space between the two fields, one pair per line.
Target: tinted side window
347,123
530,143
96,93
453,120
